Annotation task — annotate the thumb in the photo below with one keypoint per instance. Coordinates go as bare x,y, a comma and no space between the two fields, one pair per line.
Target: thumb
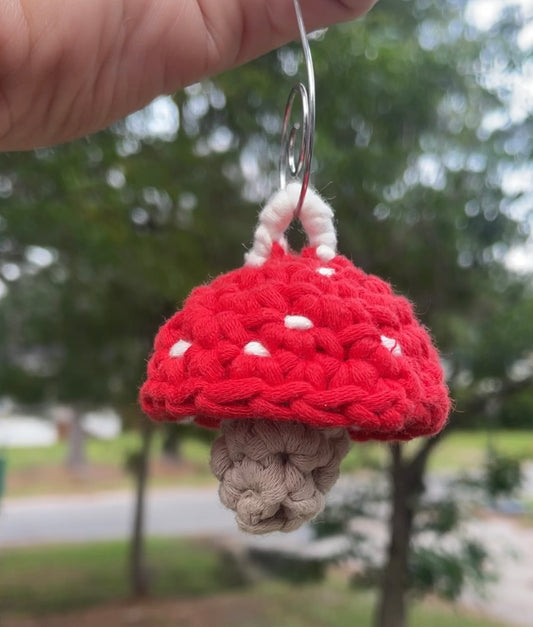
71,67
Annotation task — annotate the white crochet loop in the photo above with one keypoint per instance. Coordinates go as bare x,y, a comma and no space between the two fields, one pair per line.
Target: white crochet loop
298,322
316,217
257,349
179,348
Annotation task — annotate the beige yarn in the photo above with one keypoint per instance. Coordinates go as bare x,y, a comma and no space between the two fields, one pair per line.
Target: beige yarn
275,474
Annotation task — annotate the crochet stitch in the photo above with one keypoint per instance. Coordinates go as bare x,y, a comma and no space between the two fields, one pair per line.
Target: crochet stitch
275,474
290,356
308,338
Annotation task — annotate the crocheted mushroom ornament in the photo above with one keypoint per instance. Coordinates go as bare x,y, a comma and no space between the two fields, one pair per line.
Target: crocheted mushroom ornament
291,356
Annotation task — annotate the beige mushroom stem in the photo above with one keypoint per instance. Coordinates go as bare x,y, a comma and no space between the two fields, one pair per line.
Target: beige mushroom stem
273,474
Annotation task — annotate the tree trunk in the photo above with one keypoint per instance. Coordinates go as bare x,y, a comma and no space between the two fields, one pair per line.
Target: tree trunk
139,574
171,444
76,457
391,610
407,481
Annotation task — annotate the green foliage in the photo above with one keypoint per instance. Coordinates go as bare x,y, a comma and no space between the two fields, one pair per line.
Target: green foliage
439,571
82,576
297,569
362,499
517,411
503,474
442,561
443,517
130,219
75,576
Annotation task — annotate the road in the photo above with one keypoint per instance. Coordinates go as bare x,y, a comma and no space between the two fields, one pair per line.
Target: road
105,516
109,515
511,549
187,512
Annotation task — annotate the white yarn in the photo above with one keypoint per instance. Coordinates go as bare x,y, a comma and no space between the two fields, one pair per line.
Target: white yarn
316,217
325,253
298,322
392,345
257,349
179,348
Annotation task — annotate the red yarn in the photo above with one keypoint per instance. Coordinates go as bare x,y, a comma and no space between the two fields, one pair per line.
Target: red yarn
365,364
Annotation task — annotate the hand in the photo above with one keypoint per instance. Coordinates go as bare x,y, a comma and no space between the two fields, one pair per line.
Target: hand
71,67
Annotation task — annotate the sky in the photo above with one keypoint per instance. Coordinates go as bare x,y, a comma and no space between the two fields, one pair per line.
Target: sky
484,13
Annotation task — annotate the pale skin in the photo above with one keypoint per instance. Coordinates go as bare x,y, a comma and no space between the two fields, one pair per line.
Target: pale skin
71,67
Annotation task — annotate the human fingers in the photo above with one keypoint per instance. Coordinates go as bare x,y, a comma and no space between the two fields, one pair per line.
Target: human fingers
71,67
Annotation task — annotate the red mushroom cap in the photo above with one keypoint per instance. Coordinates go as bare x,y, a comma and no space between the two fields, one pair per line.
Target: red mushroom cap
299,339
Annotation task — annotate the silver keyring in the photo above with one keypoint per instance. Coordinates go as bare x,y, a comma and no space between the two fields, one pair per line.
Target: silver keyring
298,165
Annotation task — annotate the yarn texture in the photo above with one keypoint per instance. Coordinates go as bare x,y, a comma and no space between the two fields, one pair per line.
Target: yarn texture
291,356
275,475
297,338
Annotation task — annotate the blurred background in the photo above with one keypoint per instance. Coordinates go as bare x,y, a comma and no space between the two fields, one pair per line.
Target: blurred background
424,148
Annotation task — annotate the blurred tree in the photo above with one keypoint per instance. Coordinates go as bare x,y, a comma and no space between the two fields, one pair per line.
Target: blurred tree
419,143
443,559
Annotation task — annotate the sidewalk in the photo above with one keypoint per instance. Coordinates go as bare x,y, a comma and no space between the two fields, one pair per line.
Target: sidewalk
109,515
197,511
510,544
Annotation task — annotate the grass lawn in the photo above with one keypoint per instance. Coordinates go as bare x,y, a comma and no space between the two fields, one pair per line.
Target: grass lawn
41,470
104,452
64,577
466,450
38,471
87,584
461,450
